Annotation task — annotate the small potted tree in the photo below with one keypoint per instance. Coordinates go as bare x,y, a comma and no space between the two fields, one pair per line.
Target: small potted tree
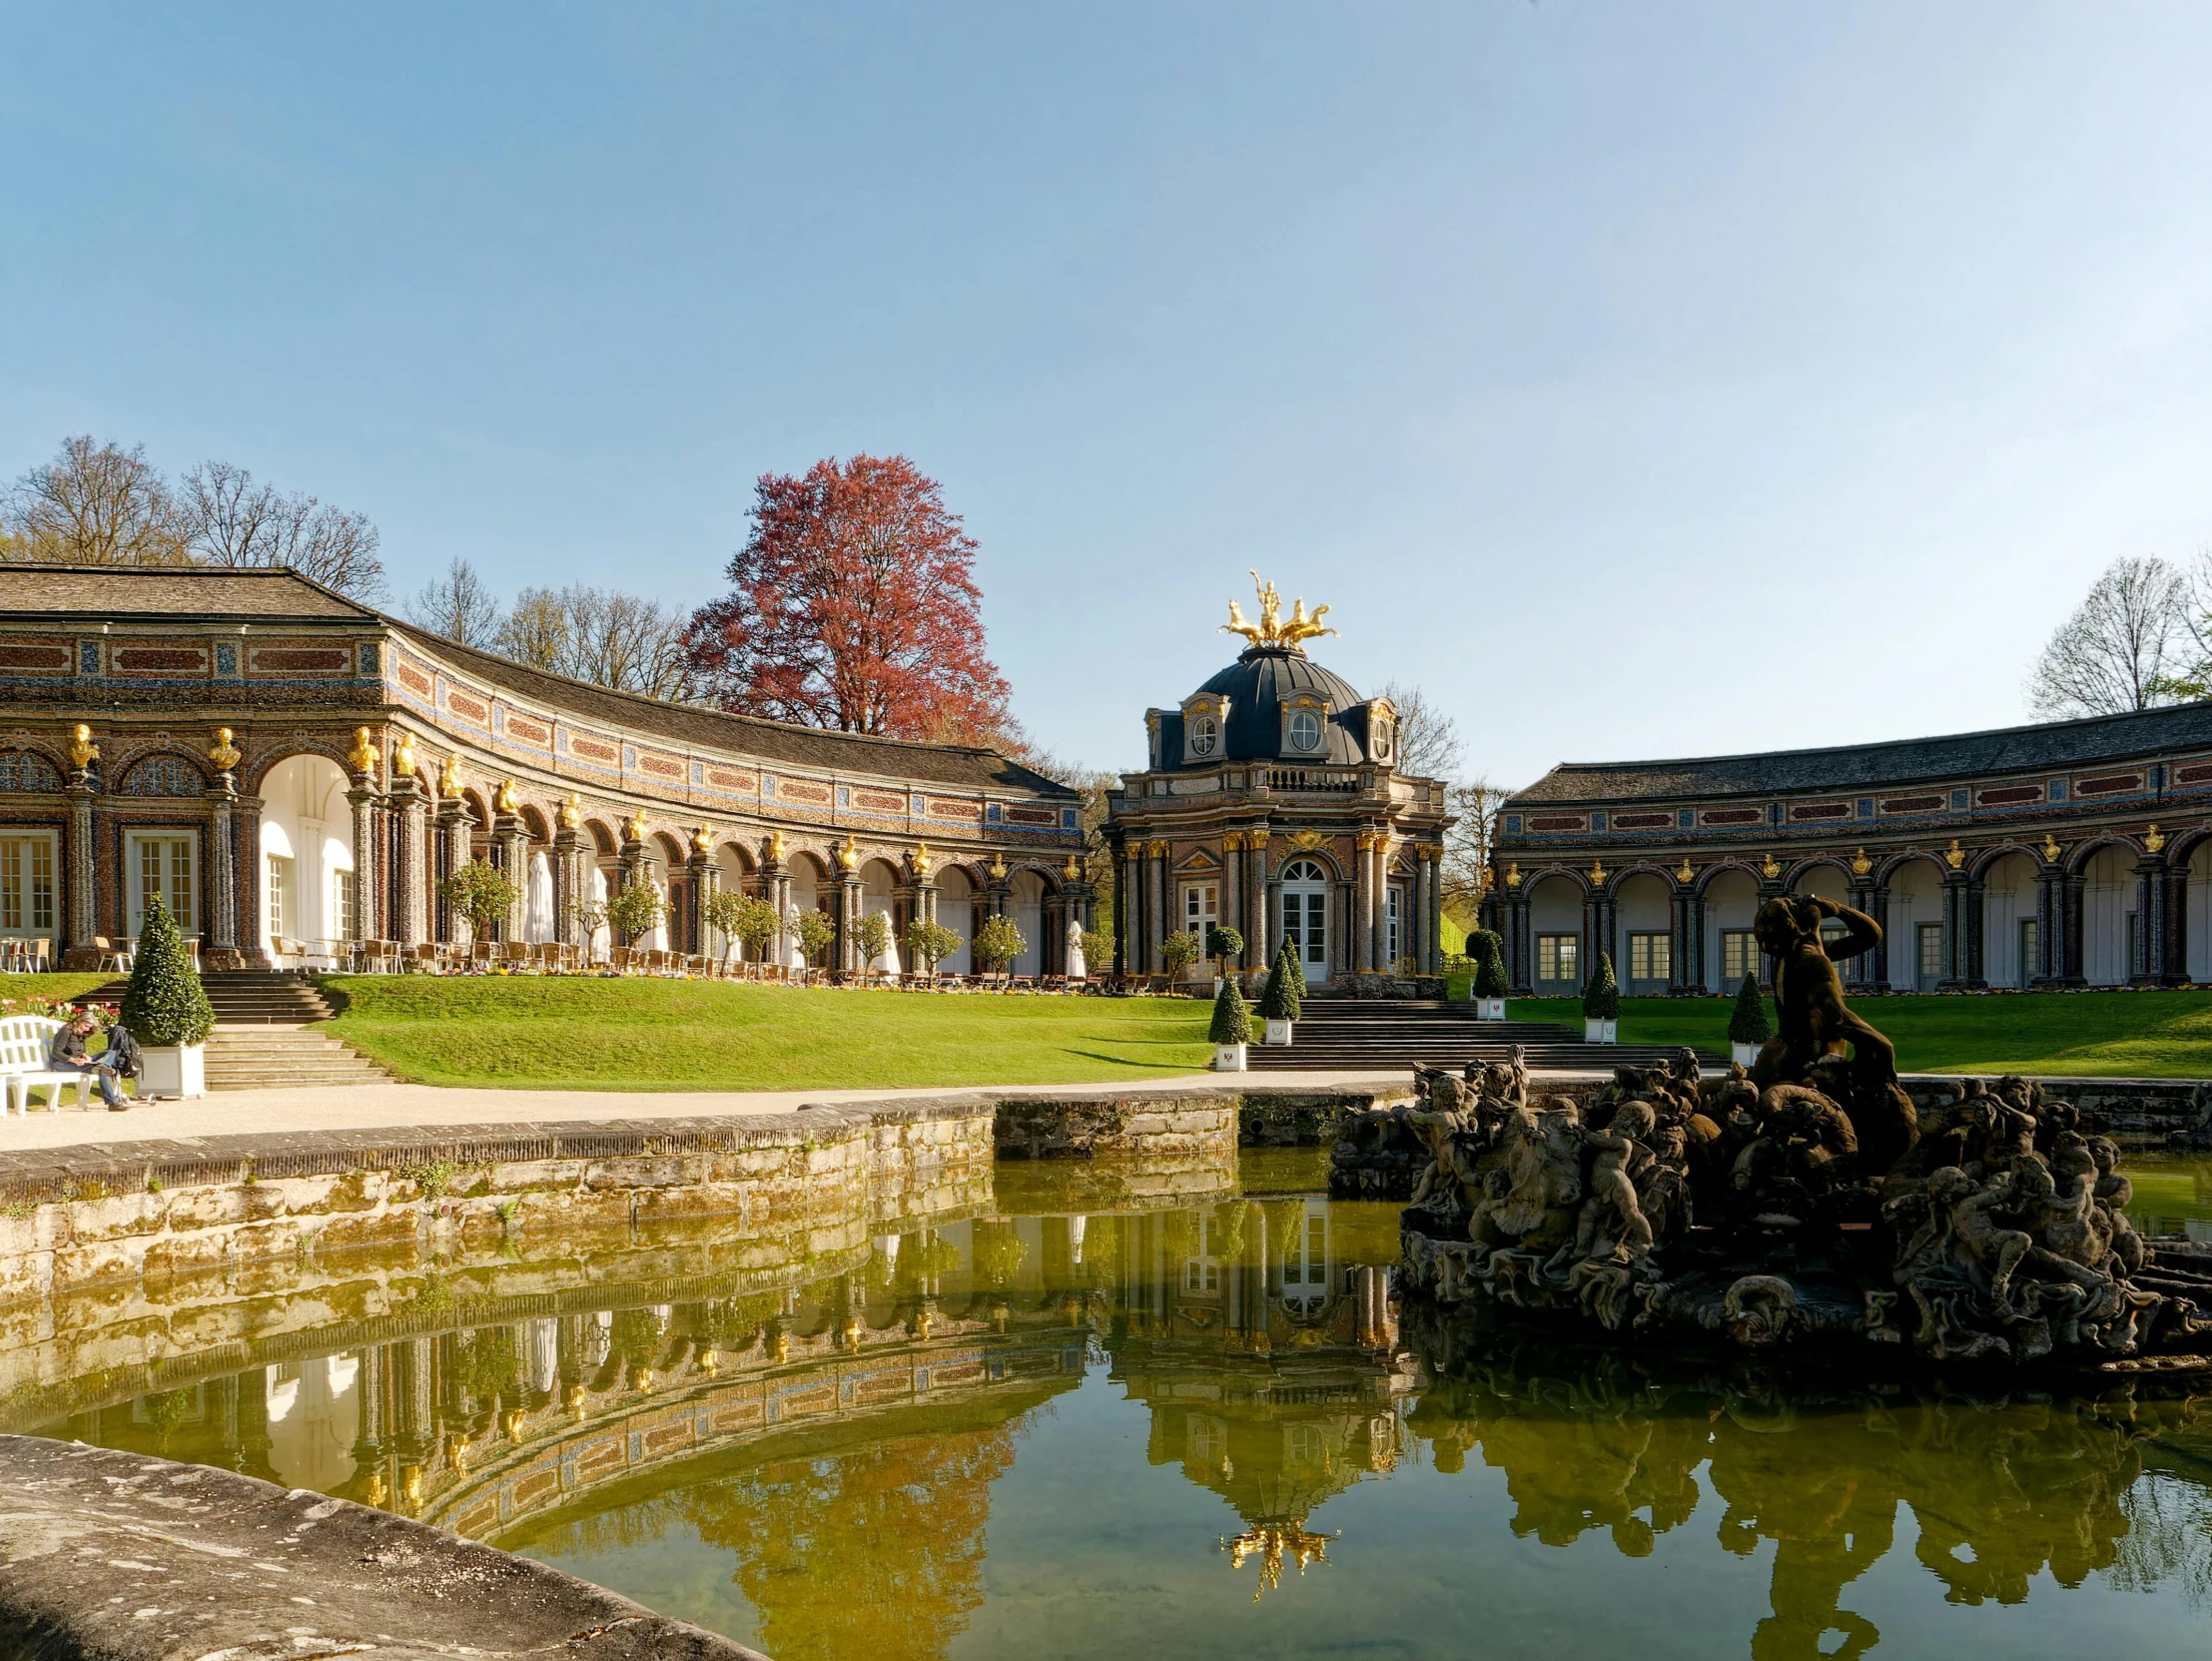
1280,999
635,911
930,944
817,933
1232,1030
1491,984
1179,952
1748,1025
1222,945
753,925
997,943
481,895
167,1010
591,917
1601,1004
874,938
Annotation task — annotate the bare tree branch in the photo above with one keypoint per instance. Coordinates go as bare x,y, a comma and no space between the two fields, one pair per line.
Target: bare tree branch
94,504
458,605
229,520
2114,654
1429,745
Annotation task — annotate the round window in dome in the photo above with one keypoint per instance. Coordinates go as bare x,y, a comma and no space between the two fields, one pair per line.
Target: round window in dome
1205,733
1305,730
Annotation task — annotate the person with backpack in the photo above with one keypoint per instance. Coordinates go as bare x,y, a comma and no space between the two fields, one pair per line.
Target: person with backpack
67,1054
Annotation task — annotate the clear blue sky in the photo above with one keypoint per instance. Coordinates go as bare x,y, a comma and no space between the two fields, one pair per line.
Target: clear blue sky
1599,364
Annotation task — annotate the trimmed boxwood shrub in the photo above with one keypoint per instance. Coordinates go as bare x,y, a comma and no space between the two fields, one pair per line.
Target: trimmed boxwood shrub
1601,998
1488,950
1232,1022
1746,1022
1281,999
164,1003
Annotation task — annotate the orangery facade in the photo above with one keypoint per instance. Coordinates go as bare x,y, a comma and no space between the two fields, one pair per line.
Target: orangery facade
286,770
2064,854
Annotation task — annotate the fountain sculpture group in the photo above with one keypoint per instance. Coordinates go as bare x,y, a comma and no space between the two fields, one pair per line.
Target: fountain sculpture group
1803,1200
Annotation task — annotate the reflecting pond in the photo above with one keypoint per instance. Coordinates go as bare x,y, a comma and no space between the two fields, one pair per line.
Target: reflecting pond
1194,1429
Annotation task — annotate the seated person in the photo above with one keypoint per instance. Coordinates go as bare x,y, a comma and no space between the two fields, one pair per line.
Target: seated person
67,1055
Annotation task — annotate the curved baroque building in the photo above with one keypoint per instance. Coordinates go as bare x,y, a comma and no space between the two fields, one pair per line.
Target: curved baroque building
276,762
2067,854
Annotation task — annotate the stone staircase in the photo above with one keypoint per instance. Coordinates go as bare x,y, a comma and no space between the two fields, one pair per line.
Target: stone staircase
1389,1035
263,1036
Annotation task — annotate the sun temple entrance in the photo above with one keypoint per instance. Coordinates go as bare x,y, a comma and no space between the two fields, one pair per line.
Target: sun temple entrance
1306,917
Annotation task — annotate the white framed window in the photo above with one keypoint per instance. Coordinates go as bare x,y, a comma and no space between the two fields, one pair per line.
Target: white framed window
1391,951
1559,959
163,866
1383,731
1305,730
1738,957
1201,1271
27,884
1651,956
342,905
1931,950
1306,1268
1201,907
1205,733
277,894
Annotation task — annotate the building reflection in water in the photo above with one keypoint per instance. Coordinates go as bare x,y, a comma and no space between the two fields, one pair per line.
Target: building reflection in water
837,1441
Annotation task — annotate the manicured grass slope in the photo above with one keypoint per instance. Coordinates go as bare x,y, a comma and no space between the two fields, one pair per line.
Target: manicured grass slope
2146,1034
695,1035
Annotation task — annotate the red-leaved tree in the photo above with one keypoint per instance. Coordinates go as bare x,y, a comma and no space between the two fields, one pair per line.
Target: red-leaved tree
853,605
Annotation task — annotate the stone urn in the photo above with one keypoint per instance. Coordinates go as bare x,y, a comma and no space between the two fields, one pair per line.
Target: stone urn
1278,1032
1228,1057
1599,1032
178,1070
1489,1009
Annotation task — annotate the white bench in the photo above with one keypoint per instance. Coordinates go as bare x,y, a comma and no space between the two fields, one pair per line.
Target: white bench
25,1043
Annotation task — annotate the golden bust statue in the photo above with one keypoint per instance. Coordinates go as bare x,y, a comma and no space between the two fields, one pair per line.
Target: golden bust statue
572,811
849,855
402,757
636,826
222,752
703,840
921,859
448,777
364,757
83,752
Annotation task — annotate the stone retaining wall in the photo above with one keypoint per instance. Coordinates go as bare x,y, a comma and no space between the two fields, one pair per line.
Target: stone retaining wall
2136,1110
126,1559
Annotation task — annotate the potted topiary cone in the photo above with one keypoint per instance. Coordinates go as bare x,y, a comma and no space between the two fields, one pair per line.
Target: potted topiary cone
167,1010
1601,1004
1280,999
1490,978
1748,1025
1232,1029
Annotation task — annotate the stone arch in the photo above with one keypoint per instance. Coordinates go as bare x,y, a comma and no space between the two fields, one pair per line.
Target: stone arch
162,771
1643,920
2081,853
306,854
959,890
1558,943
1916,930
1804,868
605,842
1707,874
1729,895
1531,880
251,777
881,882
2012,935
2110,926
1029,889
1980,860
32,769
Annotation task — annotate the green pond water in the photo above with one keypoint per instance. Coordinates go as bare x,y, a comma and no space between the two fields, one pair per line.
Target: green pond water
1195,1430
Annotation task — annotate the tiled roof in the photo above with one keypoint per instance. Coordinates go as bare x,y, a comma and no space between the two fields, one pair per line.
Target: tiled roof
189,594
2052,746
183,593
951,764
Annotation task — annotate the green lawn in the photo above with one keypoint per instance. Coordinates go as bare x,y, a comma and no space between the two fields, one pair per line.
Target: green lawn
2148,1035
22,988
574,1033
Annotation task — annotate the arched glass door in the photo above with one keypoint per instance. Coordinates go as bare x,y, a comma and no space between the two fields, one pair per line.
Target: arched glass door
1306,917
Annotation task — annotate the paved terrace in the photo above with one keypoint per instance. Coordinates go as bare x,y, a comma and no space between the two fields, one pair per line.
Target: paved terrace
390,1106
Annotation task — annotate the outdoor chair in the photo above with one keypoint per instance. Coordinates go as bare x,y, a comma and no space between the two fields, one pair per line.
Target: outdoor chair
109,956
41,956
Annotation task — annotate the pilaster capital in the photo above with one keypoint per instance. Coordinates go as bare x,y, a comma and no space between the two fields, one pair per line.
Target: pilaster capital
1155,850
1232,842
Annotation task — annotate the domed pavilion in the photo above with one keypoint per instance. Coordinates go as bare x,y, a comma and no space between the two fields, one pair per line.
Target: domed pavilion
1271,803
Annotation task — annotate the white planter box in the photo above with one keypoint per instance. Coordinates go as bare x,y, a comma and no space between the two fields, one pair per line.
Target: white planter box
1599,1032
1743,1054
1489,1009
1278,1032
173,1070
1228,1057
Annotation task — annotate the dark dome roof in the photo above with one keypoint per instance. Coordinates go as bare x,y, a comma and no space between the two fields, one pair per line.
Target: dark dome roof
1255,685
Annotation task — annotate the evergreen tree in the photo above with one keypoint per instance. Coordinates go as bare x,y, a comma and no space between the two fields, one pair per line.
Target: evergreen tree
1488,950
1298,968
1601,998
1746,1022
1280,998
1232,1022
165,1004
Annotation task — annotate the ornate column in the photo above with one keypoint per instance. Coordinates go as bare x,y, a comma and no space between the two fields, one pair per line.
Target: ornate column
568,876
1266,896
1860,972
1597,921
699,891
1363,902
845,955
1423,875
1686,929
362,761
2154,915
219,942
1961,925
1128,955
453,825
1163,893
636,866
1516,931
81,865
411,882
775,888
1770,888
